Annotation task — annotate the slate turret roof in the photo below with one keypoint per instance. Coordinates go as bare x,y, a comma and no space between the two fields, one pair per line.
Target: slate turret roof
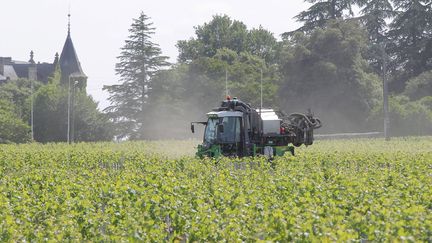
69,63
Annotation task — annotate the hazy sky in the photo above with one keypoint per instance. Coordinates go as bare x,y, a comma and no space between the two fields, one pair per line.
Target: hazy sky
99,28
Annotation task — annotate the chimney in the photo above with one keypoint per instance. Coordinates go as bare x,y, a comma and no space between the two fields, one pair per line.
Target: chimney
32,69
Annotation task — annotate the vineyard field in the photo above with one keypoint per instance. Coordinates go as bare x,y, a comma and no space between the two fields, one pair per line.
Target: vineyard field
342,190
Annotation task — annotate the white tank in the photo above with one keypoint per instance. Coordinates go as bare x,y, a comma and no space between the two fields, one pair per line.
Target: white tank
271,121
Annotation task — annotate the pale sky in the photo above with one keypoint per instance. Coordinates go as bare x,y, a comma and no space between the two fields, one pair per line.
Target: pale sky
99,28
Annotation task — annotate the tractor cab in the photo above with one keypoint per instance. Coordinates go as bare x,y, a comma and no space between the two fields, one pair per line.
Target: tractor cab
223,134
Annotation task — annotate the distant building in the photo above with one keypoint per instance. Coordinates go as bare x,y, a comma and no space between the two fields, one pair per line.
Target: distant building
12,69
68,63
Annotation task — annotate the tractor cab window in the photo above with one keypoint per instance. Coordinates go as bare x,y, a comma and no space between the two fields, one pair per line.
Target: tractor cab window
229,134
210,130
231,130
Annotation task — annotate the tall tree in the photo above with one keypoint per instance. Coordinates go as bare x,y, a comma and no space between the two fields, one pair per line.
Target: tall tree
411,35
374,15
321,12
223,32
324,70
262,43
139,61
220,32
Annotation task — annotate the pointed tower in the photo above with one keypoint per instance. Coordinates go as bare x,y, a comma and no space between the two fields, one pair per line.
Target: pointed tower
69,64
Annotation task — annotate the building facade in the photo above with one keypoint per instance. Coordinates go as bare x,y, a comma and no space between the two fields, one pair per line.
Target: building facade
68,63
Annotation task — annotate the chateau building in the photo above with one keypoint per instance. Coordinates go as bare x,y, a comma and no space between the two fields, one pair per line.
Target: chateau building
68,63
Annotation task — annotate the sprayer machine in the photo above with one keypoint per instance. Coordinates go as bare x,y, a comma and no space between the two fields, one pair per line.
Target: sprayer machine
235,129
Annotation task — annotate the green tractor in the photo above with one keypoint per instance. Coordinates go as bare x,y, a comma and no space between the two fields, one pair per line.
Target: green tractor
235,129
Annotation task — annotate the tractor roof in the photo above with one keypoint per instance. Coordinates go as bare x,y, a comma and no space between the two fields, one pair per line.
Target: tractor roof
225,114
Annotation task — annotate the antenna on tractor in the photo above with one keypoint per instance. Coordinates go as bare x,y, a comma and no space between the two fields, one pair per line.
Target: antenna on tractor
261,105
226,82
261,124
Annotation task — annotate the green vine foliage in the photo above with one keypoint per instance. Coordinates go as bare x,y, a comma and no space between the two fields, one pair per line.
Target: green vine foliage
349,190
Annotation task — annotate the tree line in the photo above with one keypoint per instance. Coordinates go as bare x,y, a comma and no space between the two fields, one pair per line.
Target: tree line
50,112
333,64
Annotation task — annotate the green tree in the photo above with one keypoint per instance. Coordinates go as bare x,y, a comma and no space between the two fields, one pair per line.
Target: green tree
51,114
407,117
18,92
12,128
220,32
420,86
223,32
205,79
325,71
374,14
225,46
139,61
91,124
262,43
321,12
411,35
15,96
50,109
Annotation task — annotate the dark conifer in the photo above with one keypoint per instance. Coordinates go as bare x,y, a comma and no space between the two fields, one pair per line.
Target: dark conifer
139,61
